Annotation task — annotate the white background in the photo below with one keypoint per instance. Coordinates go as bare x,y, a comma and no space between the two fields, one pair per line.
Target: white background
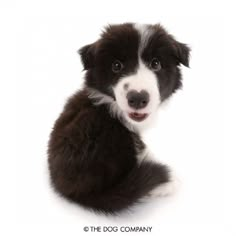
194,133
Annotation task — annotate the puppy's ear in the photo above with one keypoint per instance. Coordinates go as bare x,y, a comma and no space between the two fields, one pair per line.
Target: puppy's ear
182,53
87,54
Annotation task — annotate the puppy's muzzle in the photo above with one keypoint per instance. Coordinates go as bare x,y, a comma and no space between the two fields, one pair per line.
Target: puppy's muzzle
137,100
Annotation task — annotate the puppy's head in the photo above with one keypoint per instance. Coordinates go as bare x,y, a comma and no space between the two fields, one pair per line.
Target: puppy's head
136,67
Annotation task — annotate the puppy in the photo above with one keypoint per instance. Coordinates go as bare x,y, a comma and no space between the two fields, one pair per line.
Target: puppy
96,156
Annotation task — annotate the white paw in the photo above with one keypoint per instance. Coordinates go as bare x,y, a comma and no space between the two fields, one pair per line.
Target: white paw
166,189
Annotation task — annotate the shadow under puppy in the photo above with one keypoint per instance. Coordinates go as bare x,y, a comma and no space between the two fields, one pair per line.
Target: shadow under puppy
96,155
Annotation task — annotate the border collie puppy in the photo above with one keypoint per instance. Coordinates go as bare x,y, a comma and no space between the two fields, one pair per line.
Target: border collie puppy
96,155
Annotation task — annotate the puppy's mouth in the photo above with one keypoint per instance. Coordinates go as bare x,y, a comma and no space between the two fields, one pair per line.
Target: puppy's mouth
138,116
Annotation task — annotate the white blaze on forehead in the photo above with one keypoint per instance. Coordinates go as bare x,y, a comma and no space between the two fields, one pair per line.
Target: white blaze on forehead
145,31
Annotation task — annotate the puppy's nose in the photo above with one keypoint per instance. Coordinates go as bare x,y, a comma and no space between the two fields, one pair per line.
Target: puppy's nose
137,99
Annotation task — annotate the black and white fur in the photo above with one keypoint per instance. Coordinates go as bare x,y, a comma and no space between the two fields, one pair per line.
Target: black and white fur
96,155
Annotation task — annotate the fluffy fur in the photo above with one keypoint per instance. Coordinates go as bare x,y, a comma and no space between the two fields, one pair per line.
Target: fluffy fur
96,155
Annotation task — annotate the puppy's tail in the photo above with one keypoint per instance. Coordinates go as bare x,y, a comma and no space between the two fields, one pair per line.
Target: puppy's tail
140,181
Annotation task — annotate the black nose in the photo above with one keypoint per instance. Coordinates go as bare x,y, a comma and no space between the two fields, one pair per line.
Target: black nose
137,99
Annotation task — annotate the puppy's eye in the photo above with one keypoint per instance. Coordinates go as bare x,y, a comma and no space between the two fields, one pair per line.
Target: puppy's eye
155,64
117,66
